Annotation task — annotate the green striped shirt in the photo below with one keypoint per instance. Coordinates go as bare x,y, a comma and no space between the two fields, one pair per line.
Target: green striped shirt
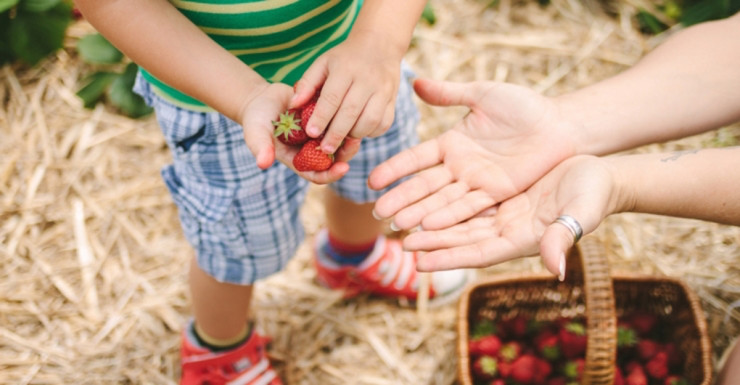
279,39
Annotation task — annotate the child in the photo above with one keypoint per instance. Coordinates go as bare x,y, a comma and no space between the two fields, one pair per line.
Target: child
217,74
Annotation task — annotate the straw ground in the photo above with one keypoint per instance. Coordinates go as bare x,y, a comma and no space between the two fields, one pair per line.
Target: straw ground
93,263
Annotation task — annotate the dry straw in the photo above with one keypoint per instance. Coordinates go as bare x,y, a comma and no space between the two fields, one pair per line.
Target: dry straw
93,263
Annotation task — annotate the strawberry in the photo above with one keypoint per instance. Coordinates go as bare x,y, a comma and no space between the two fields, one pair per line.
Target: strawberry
485,367
674,355
307,110
311,158
488,345
636,377
523,369
498,381
574,369
287,129
516,327
528,369
504,369
547,345
510,351
675,380
573,340
643,322
646,349
557,381
657,367
618,376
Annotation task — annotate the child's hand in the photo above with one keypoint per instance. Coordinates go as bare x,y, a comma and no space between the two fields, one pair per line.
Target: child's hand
511,137
582,187
257,116
358,84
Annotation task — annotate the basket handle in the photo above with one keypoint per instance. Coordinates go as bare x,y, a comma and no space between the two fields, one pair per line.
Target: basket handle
588,261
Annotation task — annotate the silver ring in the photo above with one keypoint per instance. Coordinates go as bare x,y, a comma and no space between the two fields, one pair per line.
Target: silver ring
572,225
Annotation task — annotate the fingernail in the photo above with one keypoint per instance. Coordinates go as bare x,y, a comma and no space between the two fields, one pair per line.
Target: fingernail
376,216
313,131
561,268
394,227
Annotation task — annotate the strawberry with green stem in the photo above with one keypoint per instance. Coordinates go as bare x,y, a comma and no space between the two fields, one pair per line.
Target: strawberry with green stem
573,339
288,130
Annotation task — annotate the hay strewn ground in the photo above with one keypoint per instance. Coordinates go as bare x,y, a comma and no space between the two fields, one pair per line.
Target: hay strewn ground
93,263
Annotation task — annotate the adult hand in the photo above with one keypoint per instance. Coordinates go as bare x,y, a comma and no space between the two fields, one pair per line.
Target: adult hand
511,137
583,187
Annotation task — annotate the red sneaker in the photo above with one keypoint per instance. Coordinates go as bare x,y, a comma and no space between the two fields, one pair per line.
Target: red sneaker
245,365
388,271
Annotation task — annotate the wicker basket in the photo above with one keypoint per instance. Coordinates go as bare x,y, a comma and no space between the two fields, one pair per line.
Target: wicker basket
590,291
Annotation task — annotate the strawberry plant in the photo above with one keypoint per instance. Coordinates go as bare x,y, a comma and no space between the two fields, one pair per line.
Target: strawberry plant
31,30
112,79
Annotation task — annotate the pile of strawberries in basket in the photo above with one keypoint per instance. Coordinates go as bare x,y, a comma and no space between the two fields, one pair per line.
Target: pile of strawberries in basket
290,129
521,351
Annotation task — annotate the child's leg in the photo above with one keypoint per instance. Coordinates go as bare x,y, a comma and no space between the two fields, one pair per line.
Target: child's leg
349,222
351,253
218,322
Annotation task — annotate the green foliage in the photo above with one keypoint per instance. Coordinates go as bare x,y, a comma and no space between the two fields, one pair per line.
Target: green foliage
31,30
113,80
686,12
428,15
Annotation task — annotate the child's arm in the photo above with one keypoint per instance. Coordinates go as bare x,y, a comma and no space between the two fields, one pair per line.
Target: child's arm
159,38
155,35
359,78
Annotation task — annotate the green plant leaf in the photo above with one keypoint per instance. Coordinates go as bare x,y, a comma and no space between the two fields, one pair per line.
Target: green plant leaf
95,87
649,23
428,14
38,5
35,35
123,97
96,49
7,4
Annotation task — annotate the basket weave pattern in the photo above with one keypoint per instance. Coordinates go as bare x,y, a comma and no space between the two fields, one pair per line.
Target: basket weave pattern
590,291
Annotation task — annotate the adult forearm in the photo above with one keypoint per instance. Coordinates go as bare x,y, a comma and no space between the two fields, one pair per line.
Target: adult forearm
391,21
702,184
159,38
687,85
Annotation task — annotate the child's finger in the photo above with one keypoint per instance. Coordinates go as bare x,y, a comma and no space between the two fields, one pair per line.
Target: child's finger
309,84
373,118
330,100
345,118
260,142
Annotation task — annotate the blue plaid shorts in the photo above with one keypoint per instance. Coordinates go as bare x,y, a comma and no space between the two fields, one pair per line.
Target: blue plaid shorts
243,221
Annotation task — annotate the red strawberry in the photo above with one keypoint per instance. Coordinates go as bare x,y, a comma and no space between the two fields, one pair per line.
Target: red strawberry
307,110
643,322
498,381
675,380
557,381
516,327
573,340
542,370
287,129
636,377
311,158
618,376
510,351
574,369
488,345
646,349
523,369
504,369
657,367
548,346
485,367
674,355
